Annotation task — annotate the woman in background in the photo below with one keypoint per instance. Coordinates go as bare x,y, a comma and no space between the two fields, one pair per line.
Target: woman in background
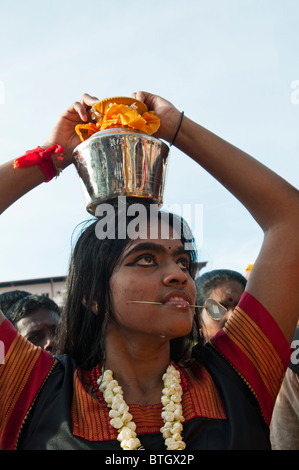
225,287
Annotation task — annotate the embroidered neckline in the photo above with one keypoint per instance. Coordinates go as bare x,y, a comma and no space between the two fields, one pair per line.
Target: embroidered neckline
110,393
91,419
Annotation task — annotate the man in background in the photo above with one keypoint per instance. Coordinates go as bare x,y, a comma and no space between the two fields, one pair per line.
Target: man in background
36,317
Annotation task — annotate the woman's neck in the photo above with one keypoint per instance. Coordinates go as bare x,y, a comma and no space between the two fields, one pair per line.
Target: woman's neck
138,366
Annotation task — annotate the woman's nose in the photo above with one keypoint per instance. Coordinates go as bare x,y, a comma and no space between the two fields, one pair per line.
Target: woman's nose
49,343
173,274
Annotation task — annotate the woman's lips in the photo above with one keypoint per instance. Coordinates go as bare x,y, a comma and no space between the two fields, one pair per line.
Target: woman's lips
178,299
177,302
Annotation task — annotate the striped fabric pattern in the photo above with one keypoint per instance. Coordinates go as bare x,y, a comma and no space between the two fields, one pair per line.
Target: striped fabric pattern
21,376
261,359
91,419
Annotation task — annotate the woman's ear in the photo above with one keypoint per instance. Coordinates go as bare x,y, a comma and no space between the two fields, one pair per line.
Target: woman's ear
94,306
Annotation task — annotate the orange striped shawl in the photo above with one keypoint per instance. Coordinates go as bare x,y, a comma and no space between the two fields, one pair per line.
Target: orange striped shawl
21,376
253,343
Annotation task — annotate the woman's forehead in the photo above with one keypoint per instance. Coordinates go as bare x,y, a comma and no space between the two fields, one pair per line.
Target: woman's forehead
160,236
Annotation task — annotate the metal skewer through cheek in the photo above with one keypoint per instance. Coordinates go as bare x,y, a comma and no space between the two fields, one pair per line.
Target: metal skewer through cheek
157,303
214,308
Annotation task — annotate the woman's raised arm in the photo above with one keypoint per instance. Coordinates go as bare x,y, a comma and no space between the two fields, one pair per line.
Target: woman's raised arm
271,200
17,182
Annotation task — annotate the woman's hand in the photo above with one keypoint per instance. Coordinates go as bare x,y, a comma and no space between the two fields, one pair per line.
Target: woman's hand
164,110
64,133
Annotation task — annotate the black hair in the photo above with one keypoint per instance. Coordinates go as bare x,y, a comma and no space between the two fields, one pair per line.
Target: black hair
29,304
81,333
213,279
7,299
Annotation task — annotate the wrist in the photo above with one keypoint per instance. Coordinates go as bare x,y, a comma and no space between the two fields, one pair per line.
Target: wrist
169,125
177,129
189,137
67,156
47,159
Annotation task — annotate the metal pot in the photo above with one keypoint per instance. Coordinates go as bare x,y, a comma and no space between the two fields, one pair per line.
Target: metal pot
121,162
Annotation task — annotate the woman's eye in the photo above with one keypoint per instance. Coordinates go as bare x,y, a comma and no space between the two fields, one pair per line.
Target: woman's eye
145,260
184,263
34,338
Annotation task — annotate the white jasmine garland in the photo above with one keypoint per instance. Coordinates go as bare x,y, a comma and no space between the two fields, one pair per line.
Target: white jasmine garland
121,418
172,413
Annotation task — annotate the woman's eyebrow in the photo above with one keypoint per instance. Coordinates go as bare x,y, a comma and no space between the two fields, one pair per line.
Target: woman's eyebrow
157,248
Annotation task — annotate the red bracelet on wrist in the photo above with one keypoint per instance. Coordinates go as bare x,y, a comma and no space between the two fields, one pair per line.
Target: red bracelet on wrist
42,158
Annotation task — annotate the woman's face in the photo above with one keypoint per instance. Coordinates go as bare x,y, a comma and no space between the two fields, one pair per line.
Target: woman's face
228,294
153,271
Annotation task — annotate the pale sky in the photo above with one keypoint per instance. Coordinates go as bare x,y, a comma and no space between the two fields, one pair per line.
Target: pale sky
231,65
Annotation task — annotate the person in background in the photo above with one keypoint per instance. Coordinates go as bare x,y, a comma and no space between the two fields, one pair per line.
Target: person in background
7,299
36,317
226,287
284,427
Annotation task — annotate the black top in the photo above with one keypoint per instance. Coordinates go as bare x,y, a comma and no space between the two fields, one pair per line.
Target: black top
49,424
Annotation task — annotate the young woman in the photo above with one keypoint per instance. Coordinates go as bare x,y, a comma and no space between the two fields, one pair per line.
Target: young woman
127,376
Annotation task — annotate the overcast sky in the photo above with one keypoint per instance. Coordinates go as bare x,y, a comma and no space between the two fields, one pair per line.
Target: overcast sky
231,65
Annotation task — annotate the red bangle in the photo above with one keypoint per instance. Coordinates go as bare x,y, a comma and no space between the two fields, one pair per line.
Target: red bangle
43,159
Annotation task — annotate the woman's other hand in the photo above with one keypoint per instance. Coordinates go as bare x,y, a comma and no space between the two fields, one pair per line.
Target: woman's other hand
169,116
64,133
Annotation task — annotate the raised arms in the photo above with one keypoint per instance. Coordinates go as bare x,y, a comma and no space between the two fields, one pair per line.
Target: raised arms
272,201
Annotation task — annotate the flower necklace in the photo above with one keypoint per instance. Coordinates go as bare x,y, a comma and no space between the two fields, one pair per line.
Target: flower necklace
110,393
